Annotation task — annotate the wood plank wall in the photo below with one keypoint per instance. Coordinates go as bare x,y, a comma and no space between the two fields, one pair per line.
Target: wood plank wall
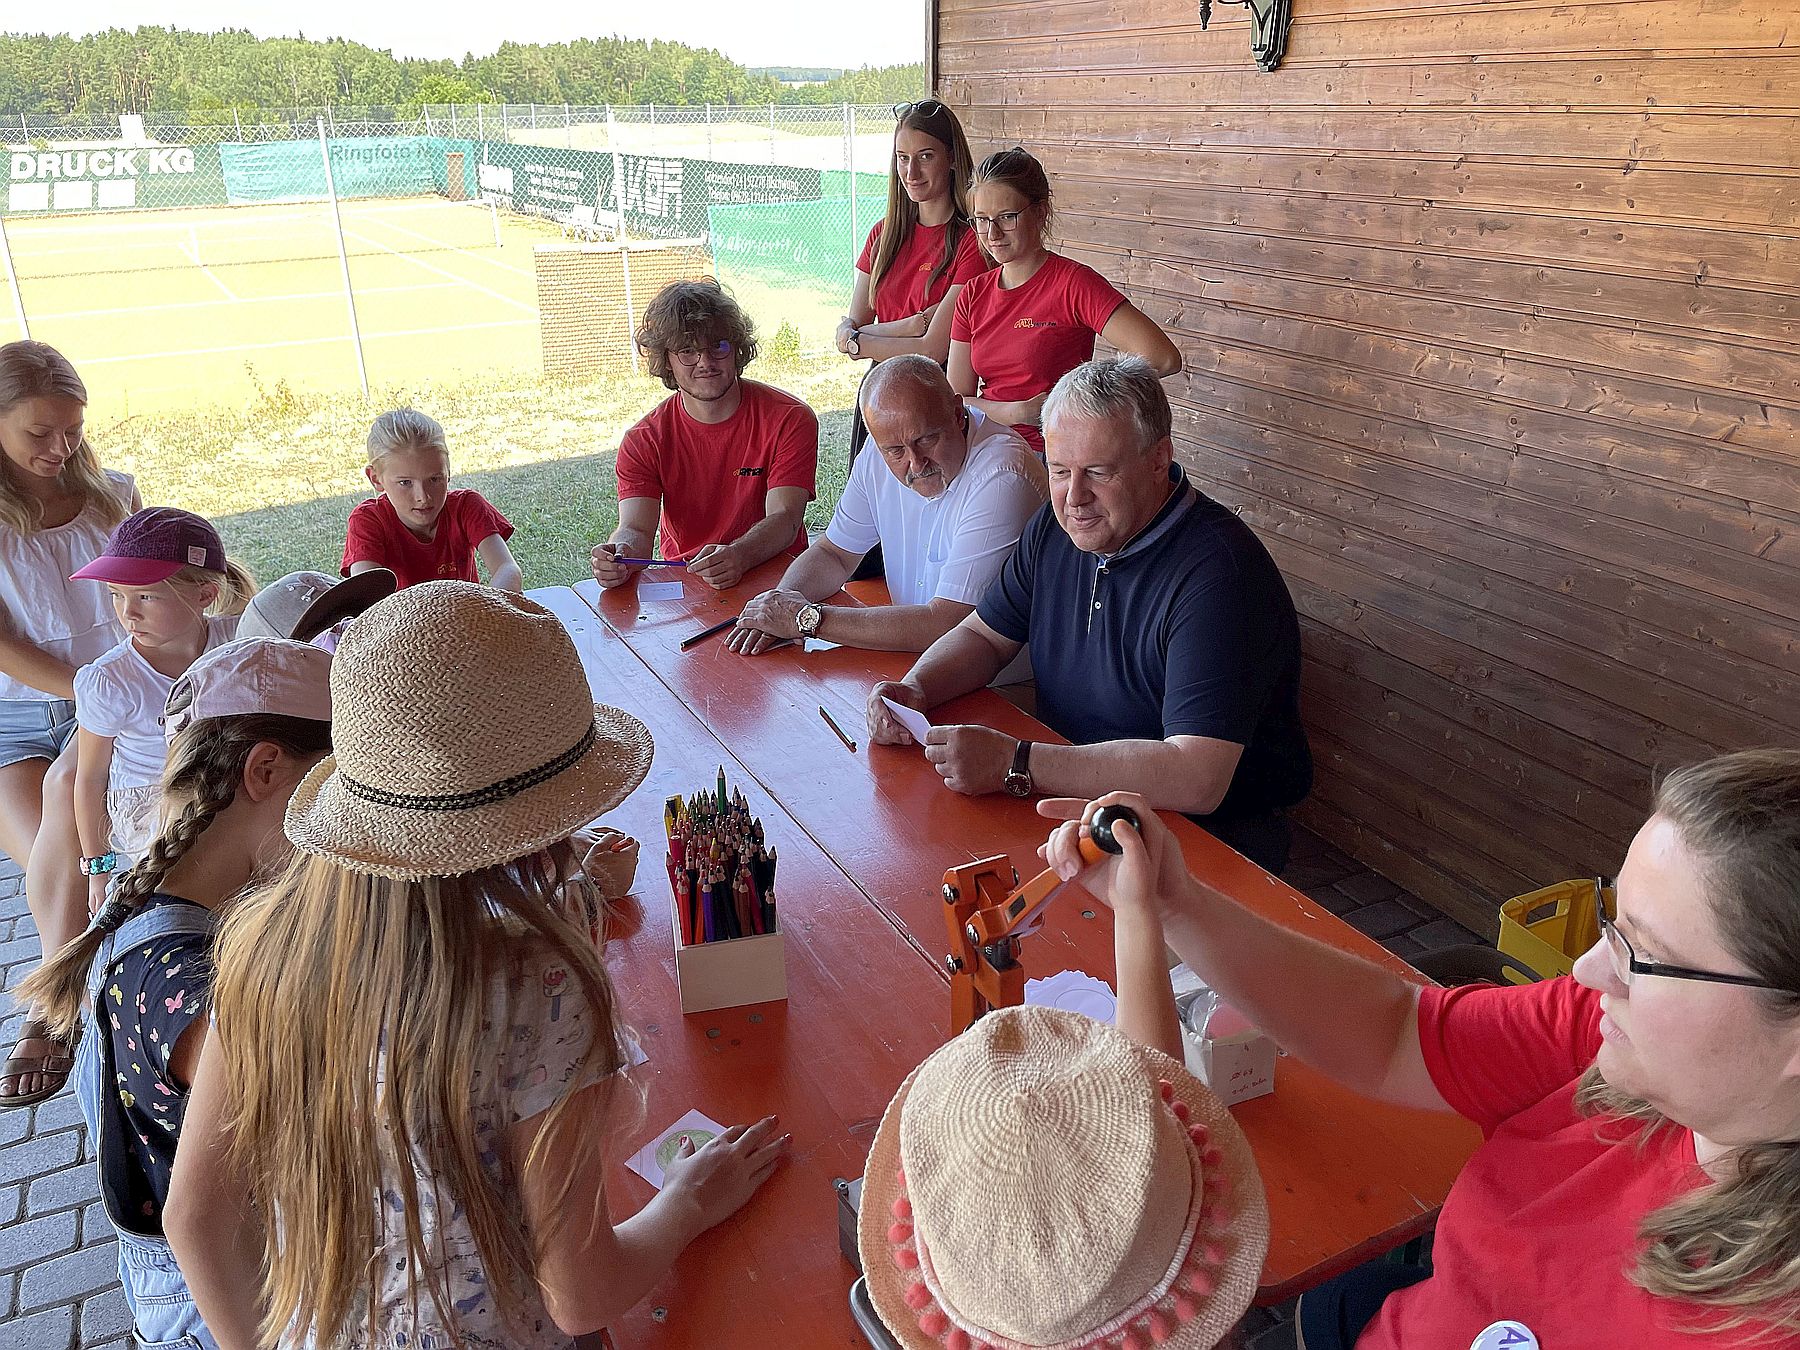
1491,316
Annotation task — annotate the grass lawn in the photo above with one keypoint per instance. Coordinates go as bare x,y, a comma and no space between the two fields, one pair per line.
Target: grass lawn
279,477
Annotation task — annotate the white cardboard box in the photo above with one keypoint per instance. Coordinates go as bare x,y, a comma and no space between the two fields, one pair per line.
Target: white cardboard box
1238,1067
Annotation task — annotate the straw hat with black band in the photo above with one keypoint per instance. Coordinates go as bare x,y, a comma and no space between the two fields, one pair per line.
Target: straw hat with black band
1044,1183
464,735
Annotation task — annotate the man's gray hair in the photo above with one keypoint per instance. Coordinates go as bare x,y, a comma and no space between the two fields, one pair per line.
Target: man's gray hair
1124,386
907,372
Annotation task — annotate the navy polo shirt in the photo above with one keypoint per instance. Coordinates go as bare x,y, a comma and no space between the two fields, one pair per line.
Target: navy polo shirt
1188,630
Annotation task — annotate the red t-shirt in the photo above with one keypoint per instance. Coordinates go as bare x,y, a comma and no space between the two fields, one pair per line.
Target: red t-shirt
1541,1226
1024,340
376,535
713,480
902,291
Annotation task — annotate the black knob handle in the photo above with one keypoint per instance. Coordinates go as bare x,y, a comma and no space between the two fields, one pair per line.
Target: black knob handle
1100,828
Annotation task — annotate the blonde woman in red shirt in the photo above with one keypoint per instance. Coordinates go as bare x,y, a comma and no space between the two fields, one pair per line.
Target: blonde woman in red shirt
1017,330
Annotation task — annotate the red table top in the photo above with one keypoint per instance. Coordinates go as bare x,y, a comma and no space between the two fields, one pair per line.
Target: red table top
874,830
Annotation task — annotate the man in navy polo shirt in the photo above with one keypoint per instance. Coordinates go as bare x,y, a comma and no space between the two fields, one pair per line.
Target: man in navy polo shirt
1164,639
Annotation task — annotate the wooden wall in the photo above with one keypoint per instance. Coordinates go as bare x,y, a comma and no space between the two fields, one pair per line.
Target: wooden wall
1491,315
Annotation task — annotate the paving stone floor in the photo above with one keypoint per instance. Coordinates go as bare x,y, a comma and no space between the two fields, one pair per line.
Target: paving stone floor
58,1273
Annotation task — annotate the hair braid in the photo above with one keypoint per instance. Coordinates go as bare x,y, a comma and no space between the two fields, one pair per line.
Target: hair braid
206,765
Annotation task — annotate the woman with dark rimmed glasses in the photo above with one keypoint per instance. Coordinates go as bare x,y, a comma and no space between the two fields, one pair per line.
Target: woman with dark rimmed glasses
1639,1180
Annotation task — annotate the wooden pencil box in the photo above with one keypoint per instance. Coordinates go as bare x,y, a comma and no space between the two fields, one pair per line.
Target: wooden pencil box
731,972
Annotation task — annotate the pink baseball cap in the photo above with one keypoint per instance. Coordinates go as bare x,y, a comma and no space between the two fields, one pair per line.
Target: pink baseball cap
154,544
252,675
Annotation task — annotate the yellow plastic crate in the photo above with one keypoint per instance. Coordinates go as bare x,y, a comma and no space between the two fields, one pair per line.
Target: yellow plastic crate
1548,929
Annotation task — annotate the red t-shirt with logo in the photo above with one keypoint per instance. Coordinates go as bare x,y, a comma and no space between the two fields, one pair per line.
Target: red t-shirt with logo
902,291
377,535
1541,1226
714,480
1023,341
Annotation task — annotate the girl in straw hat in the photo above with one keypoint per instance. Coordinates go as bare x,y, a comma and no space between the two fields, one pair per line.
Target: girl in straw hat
397,1105
1640,1177
1045,1180
253,718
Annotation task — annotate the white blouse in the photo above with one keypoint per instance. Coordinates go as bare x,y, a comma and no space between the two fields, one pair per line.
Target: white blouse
71,620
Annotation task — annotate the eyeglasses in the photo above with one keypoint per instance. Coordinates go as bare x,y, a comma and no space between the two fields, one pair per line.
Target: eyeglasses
690,356
1002,223
925,107
1627,963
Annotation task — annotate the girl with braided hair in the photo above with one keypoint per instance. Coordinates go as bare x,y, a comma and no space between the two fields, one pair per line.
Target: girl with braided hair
249,719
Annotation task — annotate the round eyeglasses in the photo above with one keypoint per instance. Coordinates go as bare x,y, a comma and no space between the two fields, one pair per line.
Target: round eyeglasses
690,356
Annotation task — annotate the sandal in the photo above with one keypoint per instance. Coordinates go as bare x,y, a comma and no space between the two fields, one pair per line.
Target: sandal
56,1065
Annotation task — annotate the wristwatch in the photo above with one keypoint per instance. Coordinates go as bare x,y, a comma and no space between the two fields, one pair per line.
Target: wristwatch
1018,778
807,620
99,866
854,342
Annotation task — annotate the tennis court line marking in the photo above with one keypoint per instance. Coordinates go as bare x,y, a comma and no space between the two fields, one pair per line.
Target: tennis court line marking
249,300
420,262
305,342
473,254
193,255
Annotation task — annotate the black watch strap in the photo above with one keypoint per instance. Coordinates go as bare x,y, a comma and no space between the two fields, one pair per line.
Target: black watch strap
1022,760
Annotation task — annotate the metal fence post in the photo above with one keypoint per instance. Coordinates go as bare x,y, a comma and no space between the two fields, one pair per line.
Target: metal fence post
236,123
771,133
480,122
12,278
618,163
337,222
568,129
850,161
709,153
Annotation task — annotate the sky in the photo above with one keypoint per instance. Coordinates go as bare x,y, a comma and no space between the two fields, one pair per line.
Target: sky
753,32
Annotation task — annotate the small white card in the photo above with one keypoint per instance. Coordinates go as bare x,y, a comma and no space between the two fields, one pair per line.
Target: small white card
650,1161
915,722
659,590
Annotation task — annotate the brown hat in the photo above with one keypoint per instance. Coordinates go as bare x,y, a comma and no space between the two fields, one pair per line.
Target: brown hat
1043,1181
465,736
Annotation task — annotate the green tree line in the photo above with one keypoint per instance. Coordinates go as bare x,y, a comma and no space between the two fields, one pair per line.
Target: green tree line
171,70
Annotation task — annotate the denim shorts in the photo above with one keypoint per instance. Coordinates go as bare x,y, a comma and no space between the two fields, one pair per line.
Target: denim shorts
34,728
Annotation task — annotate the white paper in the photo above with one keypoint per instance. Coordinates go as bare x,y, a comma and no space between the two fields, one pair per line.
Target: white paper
1074,991
915,722
650,1160
659,590
634,1052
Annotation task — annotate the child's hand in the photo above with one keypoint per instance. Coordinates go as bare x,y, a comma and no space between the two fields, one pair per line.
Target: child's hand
608,570
1149,868
720,1179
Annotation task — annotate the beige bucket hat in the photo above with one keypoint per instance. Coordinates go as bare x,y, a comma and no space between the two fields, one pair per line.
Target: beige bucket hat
1042,1181
464,735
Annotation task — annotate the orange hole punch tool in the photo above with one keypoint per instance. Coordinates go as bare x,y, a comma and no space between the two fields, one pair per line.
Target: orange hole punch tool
987,913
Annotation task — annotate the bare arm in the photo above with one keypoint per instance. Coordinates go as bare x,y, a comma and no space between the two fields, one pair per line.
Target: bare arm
722,566
773,616
1189,774
634,538
1352,1020
592,1271
1135,333
1146,1000
504,574
862,310
30,664
961,370
93,769
217,1236
925,334
965,659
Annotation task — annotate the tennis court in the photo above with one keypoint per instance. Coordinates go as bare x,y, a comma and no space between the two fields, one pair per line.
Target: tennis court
181,307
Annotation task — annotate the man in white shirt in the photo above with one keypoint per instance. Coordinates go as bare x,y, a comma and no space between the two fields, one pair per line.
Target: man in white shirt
947,496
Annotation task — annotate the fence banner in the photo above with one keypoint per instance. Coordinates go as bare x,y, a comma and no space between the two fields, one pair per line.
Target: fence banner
809,243
364,166
115,178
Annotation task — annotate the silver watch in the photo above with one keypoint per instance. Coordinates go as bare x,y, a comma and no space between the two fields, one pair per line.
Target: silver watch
807,620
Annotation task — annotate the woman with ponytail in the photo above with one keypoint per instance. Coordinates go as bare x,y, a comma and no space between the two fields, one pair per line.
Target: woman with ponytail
252,716
1638,1183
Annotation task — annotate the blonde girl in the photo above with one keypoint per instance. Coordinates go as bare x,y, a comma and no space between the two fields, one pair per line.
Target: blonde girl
400,1126
253,717
176,595
1019,329
56,506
